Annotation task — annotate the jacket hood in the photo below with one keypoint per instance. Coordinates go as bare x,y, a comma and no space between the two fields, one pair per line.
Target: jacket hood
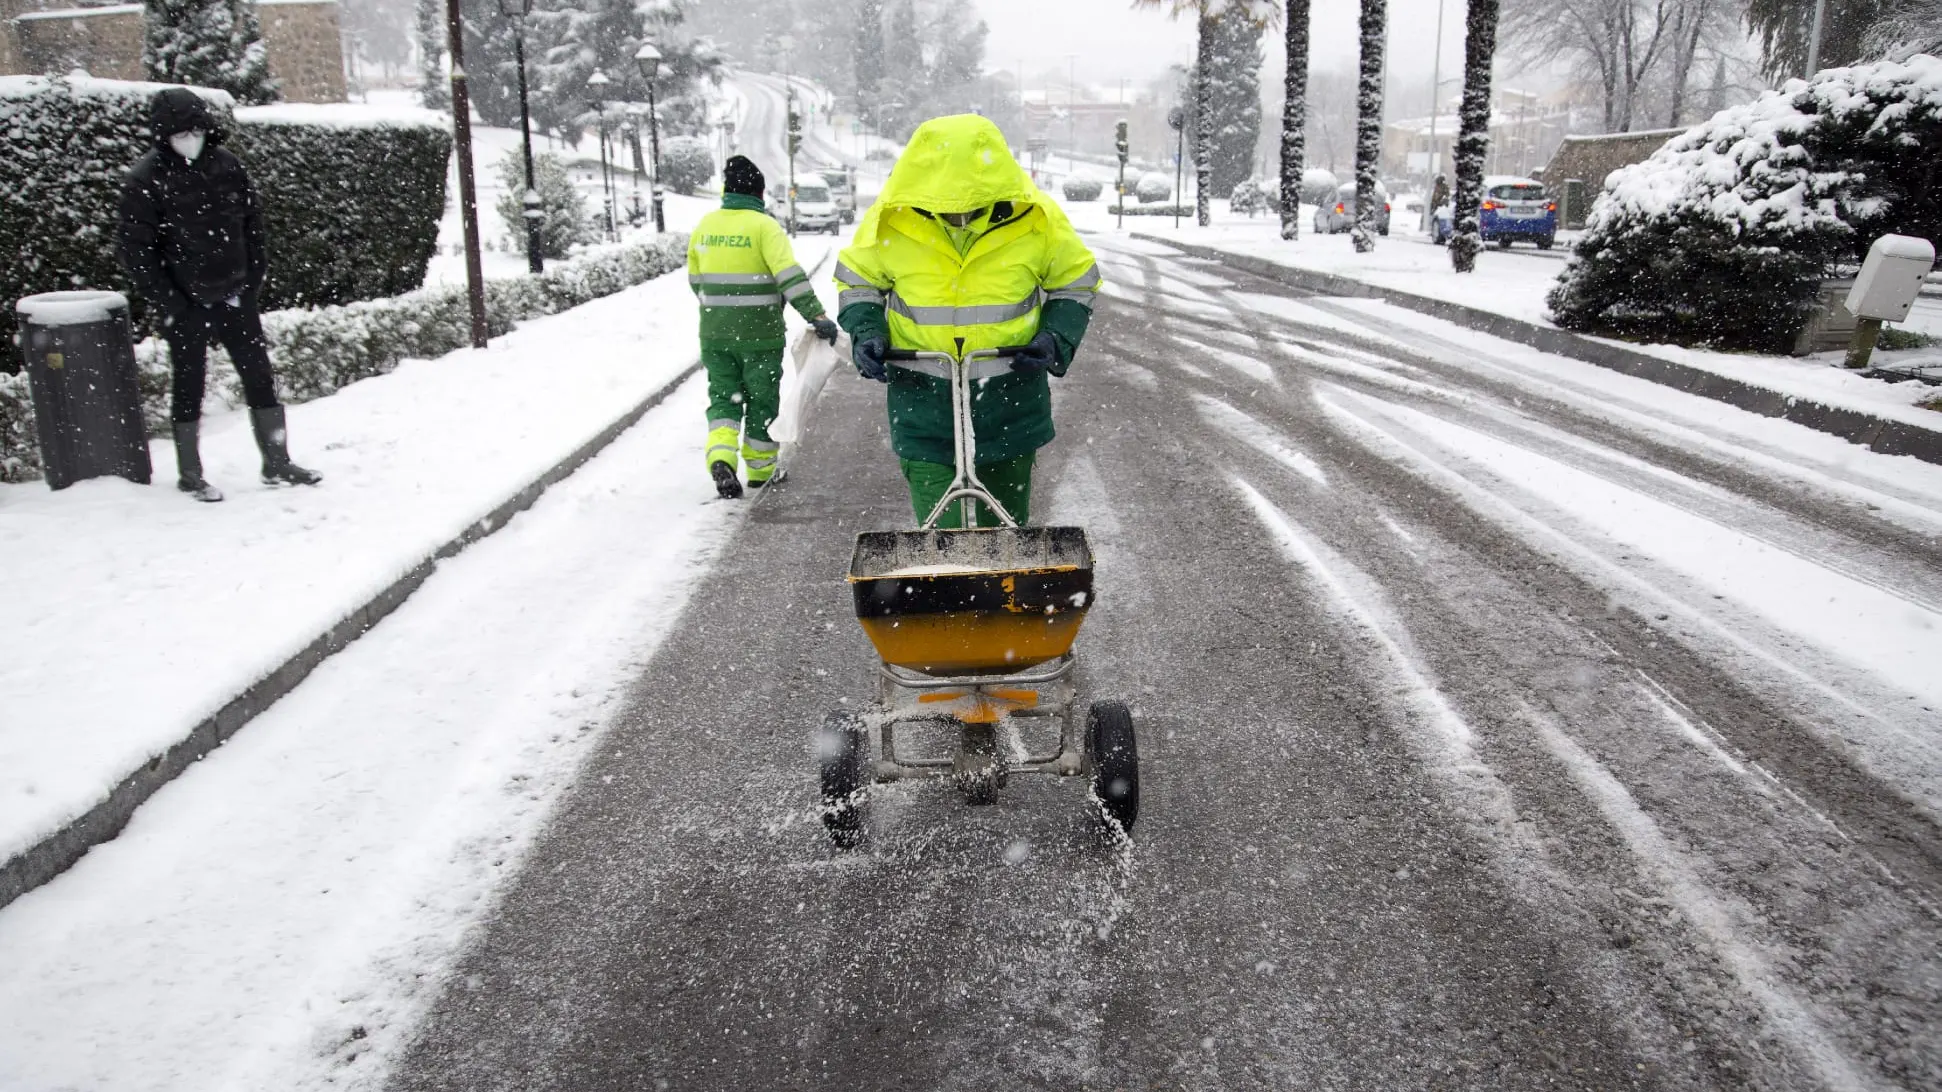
177,110
955,164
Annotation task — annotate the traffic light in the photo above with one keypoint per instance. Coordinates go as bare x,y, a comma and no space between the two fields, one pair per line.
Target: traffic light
795,131
1119,139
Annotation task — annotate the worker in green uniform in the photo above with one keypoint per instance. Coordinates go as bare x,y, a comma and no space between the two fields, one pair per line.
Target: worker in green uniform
961,252
742,269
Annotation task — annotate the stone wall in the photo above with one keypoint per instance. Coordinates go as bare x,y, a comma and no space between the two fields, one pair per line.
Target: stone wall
302,38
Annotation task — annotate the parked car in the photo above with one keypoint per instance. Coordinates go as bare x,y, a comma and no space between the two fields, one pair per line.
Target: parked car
1340,217
815,207
1517,208
1513,208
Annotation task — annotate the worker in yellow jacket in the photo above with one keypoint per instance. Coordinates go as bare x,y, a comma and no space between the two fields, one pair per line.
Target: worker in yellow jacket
742,269
961,251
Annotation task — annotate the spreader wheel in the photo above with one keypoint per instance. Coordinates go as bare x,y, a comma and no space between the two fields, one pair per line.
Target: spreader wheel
842,747
1115,762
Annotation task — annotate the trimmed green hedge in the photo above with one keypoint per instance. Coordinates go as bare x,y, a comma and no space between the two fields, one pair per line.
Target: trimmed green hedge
318,351
352,198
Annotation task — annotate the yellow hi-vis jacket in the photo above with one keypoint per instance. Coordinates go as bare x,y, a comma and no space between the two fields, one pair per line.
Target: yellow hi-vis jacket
742,268
1017,269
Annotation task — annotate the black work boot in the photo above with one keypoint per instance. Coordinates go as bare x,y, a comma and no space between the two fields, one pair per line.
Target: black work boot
727,485
272,441
188,463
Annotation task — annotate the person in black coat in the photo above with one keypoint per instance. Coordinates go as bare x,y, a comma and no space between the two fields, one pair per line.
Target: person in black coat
190,234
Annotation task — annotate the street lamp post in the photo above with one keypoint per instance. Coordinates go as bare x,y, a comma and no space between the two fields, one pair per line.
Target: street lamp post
517,10
649,58
1436,80
597,87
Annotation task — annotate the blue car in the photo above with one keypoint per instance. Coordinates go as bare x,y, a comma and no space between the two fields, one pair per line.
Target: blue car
1513,208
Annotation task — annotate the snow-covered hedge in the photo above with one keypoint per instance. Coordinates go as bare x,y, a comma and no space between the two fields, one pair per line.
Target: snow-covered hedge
1082,189
1723,235
1153,186
352,197
317,351
687,163
1151,210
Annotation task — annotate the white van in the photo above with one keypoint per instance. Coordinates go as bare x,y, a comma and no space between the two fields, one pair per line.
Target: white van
816,208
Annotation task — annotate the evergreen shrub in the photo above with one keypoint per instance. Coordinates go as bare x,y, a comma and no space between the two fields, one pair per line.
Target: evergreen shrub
1722,237
687,163
1083,189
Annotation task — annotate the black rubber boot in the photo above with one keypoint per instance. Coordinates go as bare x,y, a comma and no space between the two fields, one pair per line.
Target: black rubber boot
272,441
727,485
188,463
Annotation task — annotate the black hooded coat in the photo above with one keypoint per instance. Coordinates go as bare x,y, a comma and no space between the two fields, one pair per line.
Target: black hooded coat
190,232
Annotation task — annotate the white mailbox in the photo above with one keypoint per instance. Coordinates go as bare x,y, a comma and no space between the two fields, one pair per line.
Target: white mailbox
1891,278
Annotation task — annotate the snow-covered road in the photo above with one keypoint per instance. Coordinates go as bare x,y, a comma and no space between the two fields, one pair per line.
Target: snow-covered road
1506,723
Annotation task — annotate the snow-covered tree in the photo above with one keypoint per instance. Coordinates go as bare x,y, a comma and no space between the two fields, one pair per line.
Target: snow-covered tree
1233,100
869,48
1473,132
434,91
1201,122
1294,117
565,221
1639,54
209,43
1368,123
1906,28
1724,235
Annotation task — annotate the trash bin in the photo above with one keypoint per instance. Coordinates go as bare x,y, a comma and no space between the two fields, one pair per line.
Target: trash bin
81,369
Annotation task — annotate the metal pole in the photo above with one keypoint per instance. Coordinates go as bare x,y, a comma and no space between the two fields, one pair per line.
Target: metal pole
1179,166
1071,111
468,193
1436,108
654,159
606,176
1814,40
530,201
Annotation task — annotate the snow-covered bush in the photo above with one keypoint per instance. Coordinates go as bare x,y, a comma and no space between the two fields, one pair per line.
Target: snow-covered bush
352,197
318,351
1153,187
1082,189
687,163
1724,234
1318,186
1252,197
340,229
564,224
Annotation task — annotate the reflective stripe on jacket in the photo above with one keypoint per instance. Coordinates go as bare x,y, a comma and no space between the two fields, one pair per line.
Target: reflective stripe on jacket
743,270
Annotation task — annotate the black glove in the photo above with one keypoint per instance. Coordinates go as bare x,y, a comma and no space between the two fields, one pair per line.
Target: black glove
825,329
1039,356
868,356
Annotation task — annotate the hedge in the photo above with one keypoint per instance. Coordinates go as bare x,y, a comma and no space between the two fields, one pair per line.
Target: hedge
1083,189
340,228
317,351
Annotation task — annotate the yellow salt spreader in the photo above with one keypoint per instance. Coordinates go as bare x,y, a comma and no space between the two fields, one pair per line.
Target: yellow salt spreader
974,630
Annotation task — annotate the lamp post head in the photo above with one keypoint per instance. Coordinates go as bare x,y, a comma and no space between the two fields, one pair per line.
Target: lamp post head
649,58
597,83
516,8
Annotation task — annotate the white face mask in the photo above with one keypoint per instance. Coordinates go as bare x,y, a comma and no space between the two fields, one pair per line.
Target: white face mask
187,145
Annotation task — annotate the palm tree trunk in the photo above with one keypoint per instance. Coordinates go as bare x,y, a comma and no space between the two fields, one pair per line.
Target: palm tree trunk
1204,129
1294,118
1473,132
1368,123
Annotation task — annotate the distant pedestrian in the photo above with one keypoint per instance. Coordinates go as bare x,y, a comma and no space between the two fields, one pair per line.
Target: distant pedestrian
191,237
1439,194
742,269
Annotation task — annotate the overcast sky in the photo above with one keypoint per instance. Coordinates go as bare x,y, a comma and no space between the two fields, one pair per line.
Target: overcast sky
1114,42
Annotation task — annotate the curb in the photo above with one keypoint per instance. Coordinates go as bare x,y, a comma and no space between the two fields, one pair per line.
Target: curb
57,852
1875,433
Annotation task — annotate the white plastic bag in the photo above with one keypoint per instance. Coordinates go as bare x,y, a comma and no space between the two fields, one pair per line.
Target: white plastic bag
807,368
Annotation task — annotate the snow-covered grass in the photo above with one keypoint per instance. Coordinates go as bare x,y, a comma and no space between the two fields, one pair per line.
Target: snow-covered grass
134,613
1513,283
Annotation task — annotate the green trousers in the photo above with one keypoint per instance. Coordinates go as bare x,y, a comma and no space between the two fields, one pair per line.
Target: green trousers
1010,480
744,394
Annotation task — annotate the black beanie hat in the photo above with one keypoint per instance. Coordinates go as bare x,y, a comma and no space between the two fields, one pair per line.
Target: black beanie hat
741,175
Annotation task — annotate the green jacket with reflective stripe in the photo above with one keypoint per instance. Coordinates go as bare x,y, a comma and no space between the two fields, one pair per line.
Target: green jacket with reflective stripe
742,269
1016,270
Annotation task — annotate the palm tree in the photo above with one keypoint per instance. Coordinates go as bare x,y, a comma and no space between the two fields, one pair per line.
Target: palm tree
1473,132
1207,13
1368,123
1294,118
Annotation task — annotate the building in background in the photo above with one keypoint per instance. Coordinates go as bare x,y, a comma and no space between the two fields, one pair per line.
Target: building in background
51,37
1525,128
